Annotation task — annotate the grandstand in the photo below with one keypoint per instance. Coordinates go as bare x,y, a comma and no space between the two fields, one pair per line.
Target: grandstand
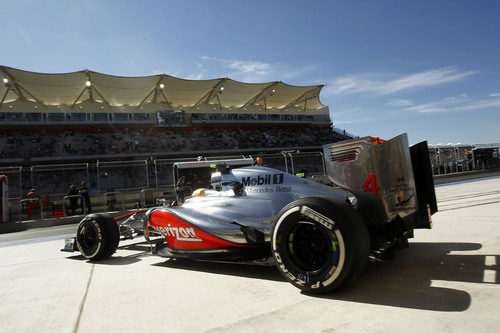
125,133
89,114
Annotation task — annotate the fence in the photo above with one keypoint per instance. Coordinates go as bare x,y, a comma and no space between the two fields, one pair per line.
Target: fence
446,159
275,161
123,185
14,178
56,179
308,163
164,172
122,175
126,176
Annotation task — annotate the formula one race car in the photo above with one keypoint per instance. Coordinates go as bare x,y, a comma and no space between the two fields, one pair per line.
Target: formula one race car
319,236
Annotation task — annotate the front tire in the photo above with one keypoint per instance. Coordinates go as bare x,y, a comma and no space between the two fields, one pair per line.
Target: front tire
97,236
319,243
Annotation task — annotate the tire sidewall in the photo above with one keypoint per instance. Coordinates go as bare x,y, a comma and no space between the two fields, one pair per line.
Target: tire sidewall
90,222
335,223
106,240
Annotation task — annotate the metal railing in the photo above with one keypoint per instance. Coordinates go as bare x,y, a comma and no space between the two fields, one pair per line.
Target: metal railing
448,159
126,175
28,201
110,201
14,177
314,163
75,196
445,160
57,178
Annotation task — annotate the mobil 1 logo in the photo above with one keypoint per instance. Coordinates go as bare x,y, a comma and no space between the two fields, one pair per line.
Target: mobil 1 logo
273,179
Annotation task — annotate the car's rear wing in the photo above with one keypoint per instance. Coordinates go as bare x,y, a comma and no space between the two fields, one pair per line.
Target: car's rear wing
389,179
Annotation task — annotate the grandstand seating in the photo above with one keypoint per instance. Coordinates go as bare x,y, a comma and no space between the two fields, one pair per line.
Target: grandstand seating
78,142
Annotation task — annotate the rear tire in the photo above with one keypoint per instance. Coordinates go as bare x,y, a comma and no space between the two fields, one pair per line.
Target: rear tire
97,236
319,243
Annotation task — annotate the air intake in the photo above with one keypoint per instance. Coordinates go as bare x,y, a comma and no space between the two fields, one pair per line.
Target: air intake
346,152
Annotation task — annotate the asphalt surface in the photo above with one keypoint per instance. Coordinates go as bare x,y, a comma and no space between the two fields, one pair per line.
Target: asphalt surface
447,280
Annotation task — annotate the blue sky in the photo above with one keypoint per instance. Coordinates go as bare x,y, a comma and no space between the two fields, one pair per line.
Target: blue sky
429,68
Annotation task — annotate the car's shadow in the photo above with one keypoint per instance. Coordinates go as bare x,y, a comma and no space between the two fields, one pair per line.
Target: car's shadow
141,250
404,282
264,272
408,280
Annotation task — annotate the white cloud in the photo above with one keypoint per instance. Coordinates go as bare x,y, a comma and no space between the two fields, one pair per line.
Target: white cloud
479,105
400,102
289,73
456,104
196,76
495,95
256,71
245,70
371,83
257,67
24,34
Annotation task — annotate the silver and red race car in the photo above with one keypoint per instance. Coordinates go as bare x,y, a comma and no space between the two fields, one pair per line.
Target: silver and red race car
319,236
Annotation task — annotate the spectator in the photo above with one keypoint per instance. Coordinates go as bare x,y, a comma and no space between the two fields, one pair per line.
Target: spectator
180,189
73,201
32,204
84,192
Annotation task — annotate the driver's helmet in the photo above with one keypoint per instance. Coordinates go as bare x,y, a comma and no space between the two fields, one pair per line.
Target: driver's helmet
226,182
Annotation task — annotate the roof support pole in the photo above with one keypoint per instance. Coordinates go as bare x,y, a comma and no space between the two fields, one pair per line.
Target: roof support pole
304,97
261,95
89,88
166,100
218,101
31,95
211,94
147,96
4,96
155,96
102,97
15,87
78,98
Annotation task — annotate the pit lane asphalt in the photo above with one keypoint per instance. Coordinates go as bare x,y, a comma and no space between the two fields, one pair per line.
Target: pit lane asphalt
448,280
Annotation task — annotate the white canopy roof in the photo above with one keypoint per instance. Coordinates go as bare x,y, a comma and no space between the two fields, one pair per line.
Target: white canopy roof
73,88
